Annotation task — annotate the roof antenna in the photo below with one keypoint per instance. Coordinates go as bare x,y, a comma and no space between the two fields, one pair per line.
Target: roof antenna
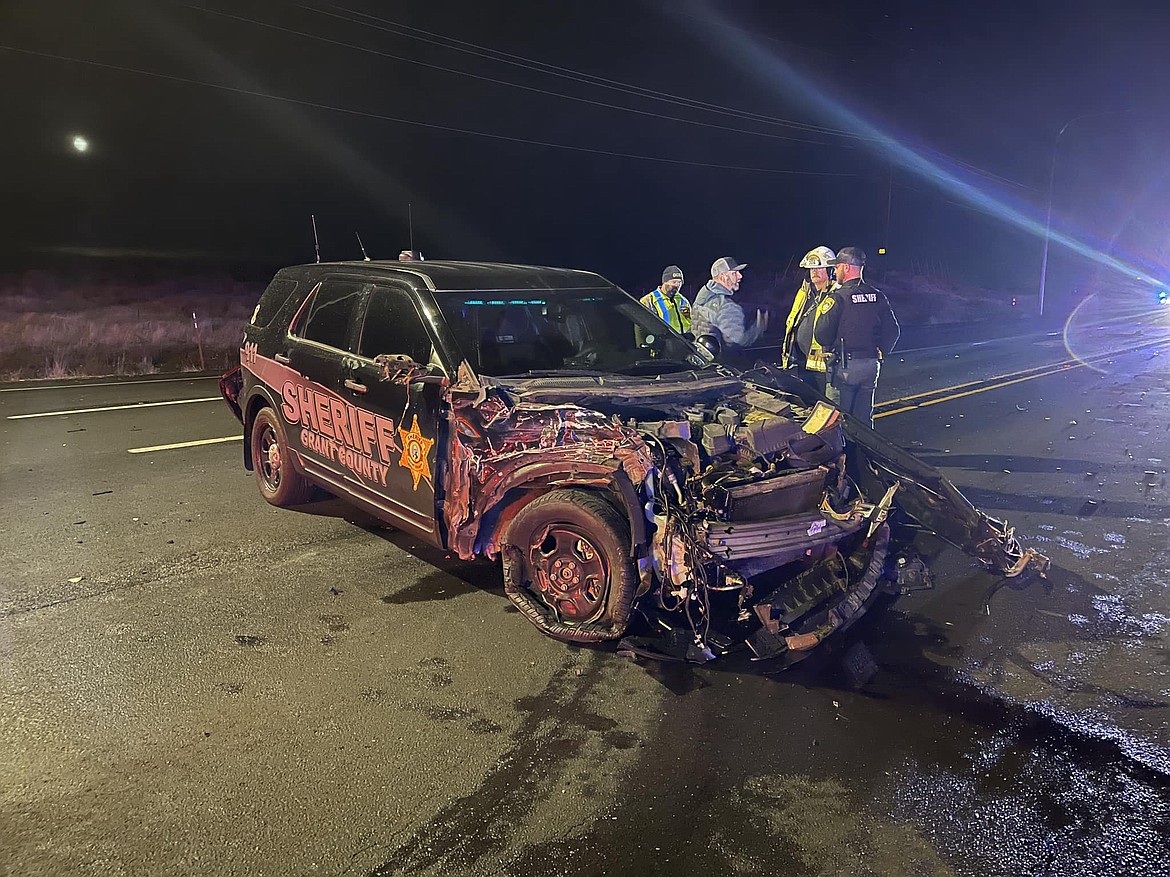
365,258
410,222
316,243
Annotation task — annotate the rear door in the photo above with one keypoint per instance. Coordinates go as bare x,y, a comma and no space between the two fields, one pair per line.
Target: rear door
317,345
404,434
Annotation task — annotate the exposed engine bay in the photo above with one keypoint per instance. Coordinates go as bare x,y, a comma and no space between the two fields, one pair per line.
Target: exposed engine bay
757,536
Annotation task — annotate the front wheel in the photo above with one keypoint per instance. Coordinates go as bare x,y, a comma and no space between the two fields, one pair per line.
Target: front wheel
280,483
567,566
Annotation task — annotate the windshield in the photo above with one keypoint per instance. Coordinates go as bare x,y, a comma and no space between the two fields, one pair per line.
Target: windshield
590,330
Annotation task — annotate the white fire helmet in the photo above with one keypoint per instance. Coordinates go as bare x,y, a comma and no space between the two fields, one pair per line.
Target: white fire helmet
821,257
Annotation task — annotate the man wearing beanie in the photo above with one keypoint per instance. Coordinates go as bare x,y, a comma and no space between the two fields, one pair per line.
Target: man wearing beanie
668,303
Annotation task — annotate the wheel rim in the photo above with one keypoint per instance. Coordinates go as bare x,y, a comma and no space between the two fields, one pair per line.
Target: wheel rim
270,459
569,573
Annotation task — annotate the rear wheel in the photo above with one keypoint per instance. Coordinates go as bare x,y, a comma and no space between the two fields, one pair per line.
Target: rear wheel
567,566
280,483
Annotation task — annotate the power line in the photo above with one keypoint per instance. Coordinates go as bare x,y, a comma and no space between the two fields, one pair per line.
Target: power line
878,139
493,80
411,32
429,125
498,55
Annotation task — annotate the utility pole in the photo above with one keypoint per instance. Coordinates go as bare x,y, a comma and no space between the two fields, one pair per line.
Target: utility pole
889,203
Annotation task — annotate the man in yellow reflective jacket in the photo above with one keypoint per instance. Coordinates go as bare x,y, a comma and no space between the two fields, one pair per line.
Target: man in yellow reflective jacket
668,303
801,351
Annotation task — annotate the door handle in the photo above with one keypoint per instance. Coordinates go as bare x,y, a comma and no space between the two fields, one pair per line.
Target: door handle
280,357
356,386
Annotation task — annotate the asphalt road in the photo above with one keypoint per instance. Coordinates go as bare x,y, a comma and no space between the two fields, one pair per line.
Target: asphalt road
192,681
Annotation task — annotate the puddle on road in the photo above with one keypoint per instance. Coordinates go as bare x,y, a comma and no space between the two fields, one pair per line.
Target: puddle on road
1028,805
918,773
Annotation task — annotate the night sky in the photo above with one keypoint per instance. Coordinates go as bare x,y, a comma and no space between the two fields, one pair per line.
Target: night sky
792,125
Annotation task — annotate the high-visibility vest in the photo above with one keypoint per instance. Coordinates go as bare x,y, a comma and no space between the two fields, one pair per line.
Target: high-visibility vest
676,314
816,354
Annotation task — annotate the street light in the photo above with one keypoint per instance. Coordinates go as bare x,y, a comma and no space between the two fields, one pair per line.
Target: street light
1051,178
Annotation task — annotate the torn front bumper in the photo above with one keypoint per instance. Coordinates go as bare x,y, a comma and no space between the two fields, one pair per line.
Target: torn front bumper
787,626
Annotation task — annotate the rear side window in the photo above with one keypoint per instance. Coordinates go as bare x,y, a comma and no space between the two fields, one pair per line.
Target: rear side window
393,326
278,292
330,313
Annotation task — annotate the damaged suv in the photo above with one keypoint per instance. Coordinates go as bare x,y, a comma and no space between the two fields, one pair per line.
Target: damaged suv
631,485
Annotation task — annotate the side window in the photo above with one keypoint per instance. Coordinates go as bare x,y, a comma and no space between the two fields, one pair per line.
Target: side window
393,326
330,313
278,292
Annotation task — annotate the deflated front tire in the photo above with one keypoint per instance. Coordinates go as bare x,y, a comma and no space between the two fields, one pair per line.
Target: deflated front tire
567,566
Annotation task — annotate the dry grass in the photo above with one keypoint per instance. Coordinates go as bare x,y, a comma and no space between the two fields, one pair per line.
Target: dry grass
55,328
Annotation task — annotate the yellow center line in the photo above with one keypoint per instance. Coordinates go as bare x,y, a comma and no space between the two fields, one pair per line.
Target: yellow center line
194,444
997,381
963,386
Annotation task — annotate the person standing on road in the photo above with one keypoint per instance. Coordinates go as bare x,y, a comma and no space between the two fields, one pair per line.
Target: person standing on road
858,329
668,303
714,308
801,353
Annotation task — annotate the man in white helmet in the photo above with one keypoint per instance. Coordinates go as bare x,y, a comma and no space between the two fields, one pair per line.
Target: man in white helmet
801,351
715,309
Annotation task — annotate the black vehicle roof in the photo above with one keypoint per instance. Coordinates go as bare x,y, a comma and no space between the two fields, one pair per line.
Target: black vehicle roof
467,276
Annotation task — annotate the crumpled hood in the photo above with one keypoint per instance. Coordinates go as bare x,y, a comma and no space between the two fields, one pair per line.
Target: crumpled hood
592,391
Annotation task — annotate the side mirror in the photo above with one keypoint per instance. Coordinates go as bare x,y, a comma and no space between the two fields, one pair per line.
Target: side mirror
395,363
711,343
402,369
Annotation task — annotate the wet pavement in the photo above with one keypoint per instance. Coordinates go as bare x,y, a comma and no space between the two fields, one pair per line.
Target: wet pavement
232,689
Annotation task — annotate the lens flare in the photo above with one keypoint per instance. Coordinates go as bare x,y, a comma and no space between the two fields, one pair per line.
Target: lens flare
748,52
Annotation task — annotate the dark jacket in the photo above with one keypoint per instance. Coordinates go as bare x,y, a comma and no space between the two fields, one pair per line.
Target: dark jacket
862,318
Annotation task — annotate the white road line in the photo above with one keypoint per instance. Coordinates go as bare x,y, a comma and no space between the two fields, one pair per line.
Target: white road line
195,444
113,408
80,385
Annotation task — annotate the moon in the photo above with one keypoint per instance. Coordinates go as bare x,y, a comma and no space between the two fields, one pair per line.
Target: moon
80,143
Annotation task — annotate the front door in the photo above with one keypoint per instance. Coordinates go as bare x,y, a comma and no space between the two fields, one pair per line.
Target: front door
409,399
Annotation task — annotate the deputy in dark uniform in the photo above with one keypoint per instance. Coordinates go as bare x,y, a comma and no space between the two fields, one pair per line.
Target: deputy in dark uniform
858,330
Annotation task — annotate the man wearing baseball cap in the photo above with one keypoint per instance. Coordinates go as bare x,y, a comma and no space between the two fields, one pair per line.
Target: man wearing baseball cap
668,303
714,308
859,329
